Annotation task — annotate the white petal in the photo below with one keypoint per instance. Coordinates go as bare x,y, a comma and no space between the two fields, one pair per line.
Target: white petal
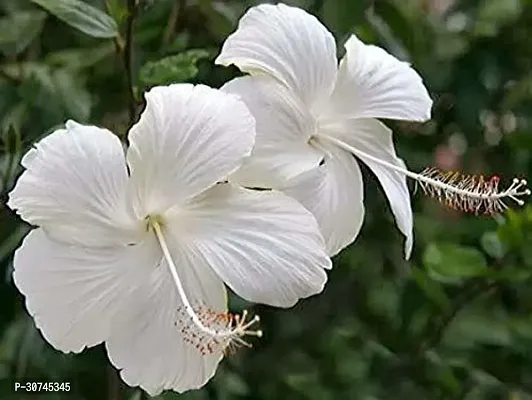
74,187
264,245
73,293
372,137
188,138
334,193
284,127
288,44
147,342
374,84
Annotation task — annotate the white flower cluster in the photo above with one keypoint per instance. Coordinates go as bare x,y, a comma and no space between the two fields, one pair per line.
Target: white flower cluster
134,250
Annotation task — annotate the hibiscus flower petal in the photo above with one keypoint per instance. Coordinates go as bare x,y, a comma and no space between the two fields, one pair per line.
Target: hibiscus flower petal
373,138
73,292
334,194
187,139
284,127
154,343
374,84
286,43
74,186
264,245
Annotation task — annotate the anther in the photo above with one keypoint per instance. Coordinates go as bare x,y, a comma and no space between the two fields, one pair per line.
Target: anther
471,193
222,331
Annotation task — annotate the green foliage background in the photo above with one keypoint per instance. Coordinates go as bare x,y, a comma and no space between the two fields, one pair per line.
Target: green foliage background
454,323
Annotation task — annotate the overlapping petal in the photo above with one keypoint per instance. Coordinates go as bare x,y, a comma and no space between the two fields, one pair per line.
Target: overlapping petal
187,139
72,292
374,140
150,343
264,245
374,84
286,43
74,187
284,126
334,194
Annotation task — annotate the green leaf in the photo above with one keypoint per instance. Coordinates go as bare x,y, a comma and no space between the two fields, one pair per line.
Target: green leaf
12,242
479,325
432,289
343,15
177,68
42,83
77,100
117,10
492,245
81,16
511,274
401,27
219,17
511,232
449,260
75,58
18,30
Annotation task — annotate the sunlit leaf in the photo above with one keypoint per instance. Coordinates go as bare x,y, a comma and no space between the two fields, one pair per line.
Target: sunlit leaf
177,68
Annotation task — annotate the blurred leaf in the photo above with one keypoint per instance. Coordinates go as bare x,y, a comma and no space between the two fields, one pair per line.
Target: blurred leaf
343,15
431,288
18,30
117,10
478,326
81,16
492,245
398,22
511,231
512,274
42,83
220,17
80,58
494,13
235,385
13,118
177,68
76,99
450,260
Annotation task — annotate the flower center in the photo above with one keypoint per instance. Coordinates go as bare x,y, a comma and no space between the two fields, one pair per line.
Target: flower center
151,220
208,330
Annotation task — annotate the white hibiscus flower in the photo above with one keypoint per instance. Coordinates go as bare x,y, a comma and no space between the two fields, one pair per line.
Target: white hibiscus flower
314,115
134,249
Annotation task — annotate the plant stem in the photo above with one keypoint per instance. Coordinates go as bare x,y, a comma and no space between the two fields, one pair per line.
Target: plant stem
132,7
172,25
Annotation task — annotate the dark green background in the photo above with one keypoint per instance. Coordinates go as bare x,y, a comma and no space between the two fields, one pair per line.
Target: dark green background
454,323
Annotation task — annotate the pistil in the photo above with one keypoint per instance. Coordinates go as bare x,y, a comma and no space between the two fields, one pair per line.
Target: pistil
204,327
459,191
